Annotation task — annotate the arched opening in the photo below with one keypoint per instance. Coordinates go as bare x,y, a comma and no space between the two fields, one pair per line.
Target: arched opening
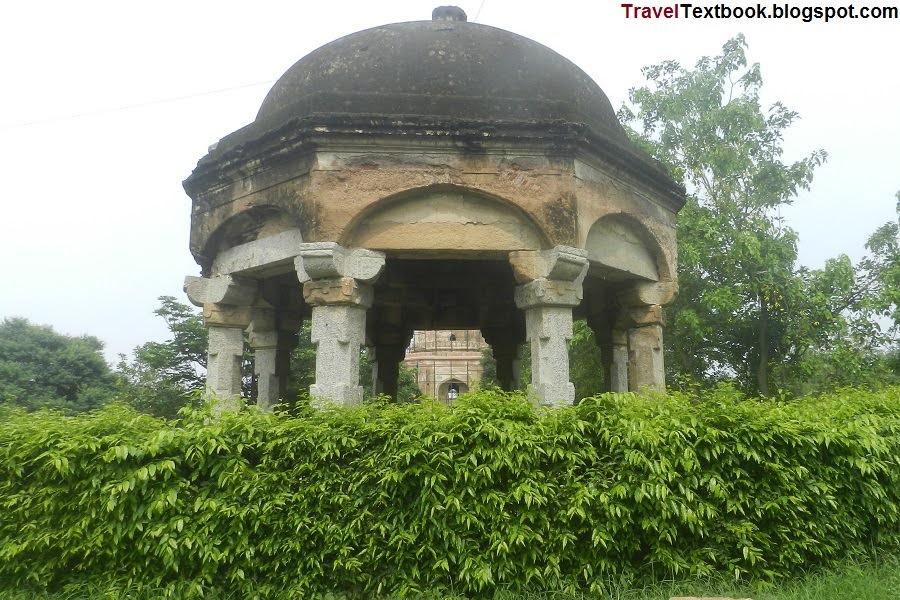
262,237
619,247
447,220
450,390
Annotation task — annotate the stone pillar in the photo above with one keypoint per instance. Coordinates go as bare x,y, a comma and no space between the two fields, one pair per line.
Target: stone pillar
336,284
551,286
549,329
387,341
612,338
223,364
506,348
600,326
264,342
373,360
338,333
387,369
645,350
226,303
618,368
287,341
644,313
508,357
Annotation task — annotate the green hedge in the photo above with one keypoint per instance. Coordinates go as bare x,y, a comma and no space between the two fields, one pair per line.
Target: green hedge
401,498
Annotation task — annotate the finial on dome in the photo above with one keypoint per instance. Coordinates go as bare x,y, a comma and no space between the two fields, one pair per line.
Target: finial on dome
448,13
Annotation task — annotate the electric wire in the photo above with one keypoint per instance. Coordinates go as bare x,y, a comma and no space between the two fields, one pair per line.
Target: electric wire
477,14
132,106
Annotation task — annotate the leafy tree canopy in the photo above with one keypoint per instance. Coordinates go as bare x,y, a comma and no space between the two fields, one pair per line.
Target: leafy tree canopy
42,368
746,312
881,269
163,375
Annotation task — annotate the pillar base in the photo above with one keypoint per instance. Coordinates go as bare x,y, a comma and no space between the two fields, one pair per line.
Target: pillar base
341,393
553,395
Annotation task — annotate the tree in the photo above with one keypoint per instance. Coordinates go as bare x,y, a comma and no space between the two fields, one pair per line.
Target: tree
881,270
837,339
163,375
880,273
745,311
585,364
731,319
407,385
40,368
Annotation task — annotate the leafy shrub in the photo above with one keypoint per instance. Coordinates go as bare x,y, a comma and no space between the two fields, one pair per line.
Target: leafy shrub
490,492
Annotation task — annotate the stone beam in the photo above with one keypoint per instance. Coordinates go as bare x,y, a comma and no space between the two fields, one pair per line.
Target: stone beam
271,252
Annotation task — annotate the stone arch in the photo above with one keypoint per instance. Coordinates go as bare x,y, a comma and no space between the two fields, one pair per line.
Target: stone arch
458,386
249,225
449,220
623,246
252,239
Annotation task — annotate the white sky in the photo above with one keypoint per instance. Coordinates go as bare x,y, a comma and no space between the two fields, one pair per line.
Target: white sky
106,106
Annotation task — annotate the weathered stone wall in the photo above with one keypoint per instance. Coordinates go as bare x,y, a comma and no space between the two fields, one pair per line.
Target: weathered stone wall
606,203
439,199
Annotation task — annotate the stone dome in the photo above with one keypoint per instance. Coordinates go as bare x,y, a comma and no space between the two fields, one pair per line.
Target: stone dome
439,71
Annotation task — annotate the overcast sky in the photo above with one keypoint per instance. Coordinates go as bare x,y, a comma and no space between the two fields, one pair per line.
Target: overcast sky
107,106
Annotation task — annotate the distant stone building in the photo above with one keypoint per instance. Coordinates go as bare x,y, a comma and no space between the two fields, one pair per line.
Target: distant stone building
447,362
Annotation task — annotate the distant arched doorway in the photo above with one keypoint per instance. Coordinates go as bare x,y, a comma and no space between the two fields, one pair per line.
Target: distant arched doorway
451,390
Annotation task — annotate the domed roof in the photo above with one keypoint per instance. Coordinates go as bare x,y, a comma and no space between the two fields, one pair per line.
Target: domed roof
439,70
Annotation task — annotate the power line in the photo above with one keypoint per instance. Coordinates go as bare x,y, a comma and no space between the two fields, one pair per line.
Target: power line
131,106
475,20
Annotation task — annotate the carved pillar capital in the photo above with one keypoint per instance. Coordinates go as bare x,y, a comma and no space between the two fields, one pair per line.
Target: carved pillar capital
646,293
342,290
220,289
640,316
562,263
328,260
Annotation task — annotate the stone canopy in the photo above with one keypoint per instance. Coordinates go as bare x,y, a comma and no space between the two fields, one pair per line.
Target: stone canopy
432,175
